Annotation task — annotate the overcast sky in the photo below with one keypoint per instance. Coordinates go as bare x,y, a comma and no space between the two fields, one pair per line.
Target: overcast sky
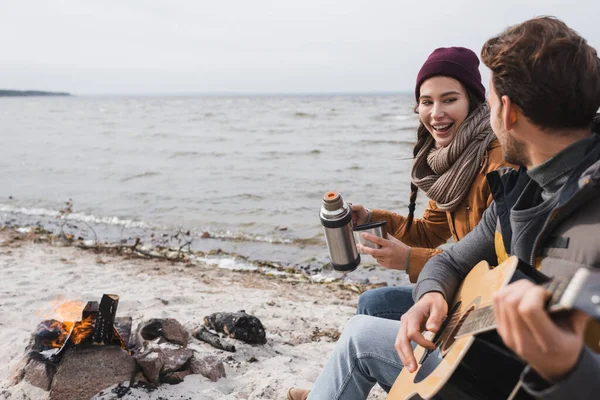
249,46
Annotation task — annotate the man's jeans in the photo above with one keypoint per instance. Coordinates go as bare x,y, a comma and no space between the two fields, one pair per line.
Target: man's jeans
364,355
386,302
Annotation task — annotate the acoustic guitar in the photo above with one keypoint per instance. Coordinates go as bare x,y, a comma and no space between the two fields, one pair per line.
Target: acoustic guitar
470,361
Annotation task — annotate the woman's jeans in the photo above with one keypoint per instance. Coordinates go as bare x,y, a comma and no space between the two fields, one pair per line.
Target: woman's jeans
386,302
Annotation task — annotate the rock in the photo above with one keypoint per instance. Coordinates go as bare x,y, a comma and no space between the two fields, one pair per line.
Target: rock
156,362
84,372
18,372
169,329
140,379
210,367
151,363
39,374
174,360
173,378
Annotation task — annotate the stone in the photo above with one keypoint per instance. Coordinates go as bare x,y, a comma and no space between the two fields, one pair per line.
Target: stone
18,372
173,378
210,367
169,329
151,363
39,374
84,372
174,360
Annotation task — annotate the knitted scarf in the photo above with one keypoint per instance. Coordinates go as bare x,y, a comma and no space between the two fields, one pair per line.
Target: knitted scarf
446,173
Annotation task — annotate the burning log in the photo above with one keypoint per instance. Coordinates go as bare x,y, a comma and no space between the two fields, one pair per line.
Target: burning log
239,325
76,359
205,335
104,327
52,338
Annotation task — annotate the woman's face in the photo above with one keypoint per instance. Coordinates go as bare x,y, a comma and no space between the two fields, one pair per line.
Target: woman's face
443,106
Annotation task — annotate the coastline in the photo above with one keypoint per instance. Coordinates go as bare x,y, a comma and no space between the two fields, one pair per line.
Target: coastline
37,270
31,93
268,255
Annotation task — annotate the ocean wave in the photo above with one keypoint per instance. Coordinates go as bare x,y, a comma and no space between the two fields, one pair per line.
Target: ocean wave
76,216
389,141
300,114
393,116
185,154
142,175
238,236
52,219
272,153
229,263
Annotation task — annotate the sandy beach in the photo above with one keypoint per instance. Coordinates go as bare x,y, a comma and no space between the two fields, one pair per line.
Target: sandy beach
36,277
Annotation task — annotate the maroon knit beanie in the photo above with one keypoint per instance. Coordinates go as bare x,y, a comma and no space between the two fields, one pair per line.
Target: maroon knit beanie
455,62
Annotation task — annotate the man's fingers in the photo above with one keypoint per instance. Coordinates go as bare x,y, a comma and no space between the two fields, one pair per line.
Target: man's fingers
413,330
404,349
436,317
512,329
532,313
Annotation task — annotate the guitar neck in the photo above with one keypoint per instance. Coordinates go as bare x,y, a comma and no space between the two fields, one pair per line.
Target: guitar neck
478,320
566,294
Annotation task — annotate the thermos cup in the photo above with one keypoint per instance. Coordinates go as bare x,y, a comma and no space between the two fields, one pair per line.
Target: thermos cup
336,218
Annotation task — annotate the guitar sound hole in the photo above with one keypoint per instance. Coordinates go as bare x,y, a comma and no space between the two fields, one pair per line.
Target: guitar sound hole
445,346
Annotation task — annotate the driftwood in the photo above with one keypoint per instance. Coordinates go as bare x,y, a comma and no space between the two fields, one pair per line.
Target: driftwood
205,335
239,325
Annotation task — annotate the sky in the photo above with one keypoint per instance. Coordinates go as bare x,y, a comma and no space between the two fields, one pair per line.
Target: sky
250,46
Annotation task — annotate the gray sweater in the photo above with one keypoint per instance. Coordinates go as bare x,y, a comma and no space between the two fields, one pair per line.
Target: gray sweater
528,217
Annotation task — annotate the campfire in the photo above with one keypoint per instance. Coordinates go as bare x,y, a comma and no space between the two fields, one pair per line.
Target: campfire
90,349
96,327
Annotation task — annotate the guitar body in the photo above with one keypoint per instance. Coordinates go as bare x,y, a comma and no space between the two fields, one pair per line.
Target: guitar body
469,366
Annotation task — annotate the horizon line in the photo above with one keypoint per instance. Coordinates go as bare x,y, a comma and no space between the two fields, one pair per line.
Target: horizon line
223,94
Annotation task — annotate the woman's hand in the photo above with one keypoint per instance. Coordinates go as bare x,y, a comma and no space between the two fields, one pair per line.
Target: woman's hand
360,214
393,253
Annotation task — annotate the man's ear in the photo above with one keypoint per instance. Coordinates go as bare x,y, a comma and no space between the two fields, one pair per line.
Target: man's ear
509,112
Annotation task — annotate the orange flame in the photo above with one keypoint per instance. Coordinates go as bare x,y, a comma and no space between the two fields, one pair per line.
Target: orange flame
63,310
67,312
67,324
82,330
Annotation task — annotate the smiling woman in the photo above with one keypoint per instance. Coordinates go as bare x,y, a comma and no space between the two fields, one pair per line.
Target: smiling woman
443,106
455,149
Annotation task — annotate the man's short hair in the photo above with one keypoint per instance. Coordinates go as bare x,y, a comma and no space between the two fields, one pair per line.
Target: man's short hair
548,71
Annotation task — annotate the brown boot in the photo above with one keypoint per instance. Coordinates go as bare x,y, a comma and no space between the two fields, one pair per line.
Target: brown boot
298,394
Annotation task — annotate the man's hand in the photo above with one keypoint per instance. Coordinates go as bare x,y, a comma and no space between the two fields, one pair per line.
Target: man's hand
392,254
428,313
552,348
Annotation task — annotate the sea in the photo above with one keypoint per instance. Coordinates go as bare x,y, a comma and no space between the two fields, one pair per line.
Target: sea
237,176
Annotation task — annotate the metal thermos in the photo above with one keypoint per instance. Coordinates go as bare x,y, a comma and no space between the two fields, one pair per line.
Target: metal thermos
336,218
